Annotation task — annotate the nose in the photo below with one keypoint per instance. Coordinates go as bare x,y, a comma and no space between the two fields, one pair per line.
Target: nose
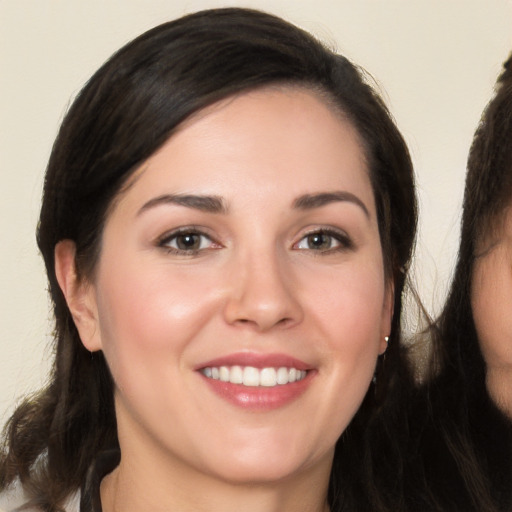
263,294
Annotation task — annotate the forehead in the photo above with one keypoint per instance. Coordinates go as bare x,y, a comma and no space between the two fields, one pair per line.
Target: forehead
287,138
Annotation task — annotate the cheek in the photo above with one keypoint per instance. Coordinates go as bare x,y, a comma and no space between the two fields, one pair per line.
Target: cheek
349,322
346,311
491,302
147,317
350,303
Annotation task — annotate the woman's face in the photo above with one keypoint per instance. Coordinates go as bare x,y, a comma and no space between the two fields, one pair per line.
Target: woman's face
491,299
240,296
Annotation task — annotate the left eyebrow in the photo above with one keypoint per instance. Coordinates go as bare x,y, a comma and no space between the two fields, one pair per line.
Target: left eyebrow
310,201
210,204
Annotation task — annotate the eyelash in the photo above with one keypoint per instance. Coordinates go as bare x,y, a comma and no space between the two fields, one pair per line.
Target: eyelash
169,238
342,239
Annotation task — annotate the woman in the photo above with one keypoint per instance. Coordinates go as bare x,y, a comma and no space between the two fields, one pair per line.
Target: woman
491,285
227,217
465,432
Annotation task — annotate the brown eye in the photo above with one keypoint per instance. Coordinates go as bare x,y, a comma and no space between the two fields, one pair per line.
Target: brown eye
324,241
186,242
319,241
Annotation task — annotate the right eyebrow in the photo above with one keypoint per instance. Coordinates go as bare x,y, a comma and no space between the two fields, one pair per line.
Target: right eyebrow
209,204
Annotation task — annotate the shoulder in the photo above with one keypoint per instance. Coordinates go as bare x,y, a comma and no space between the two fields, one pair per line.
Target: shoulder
14,497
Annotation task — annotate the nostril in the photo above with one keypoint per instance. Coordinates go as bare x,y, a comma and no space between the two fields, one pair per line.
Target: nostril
283,322
262,305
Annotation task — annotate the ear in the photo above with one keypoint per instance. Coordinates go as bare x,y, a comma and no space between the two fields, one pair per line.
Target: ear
79,295
387,315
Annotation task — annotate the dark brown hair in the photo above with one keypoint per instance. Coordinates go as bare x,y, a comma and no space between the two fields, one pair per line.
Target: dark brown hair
465,442
126,111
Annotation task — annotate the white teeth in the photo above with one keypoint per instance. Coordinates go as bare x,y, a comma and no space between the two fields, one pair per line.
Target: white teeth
268,377
253,377
236,375
282,376
224,374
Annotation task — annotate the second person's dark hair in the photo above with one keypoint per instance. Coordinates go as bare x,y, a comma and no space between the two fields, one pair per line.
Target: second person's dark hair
465,446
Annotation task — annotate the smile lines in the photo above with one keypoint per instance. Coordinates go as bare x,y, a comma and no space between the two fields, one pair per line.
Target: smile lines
254,377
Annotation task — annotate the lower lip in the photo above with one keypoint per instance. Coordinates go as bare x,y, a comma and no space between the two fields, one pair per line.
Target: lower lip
260,398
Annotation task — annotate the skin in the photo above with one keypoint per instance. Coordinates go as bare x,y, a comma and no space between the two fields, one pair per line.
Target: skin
256,285
491,298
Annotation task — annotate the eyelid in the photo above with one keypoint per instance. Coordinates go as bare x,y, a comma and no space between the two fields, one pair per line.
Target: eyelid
345,242
164,240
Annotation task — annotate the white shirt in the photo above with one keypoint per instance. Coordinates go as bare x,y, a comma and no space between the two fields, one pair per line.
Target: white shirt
14,497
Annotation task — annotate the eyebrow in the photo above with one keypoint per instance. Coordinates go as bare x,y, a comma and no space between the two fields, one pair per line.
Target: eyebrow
215,204
310,201
210,204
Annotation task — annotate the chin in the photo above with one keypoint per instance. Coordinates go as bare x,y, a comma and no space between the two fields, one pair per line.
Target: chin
267,466
258,474
500,394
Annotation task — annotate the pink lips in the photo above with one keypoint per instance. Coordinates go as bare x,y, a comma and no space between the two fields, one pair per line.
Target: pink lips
258,398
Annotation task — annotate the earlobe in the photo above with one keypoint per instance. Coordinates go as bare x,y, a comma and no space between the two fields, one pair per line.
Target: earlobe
79,295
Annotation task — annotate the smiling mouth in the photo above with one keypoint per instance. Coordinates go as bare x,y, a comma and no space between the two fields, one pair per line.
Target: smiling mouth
254,377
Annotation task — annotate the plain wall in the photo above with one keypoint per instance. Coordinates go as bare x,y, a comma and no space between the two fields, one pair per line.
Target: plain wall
435,62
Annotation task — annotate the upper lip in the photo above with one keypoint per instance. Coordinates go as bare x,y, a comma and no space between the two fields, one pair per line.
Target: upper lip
256,360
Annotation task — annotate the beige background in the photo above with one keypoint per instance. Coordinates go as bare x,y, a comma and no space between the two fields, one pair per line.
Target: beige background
435,61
